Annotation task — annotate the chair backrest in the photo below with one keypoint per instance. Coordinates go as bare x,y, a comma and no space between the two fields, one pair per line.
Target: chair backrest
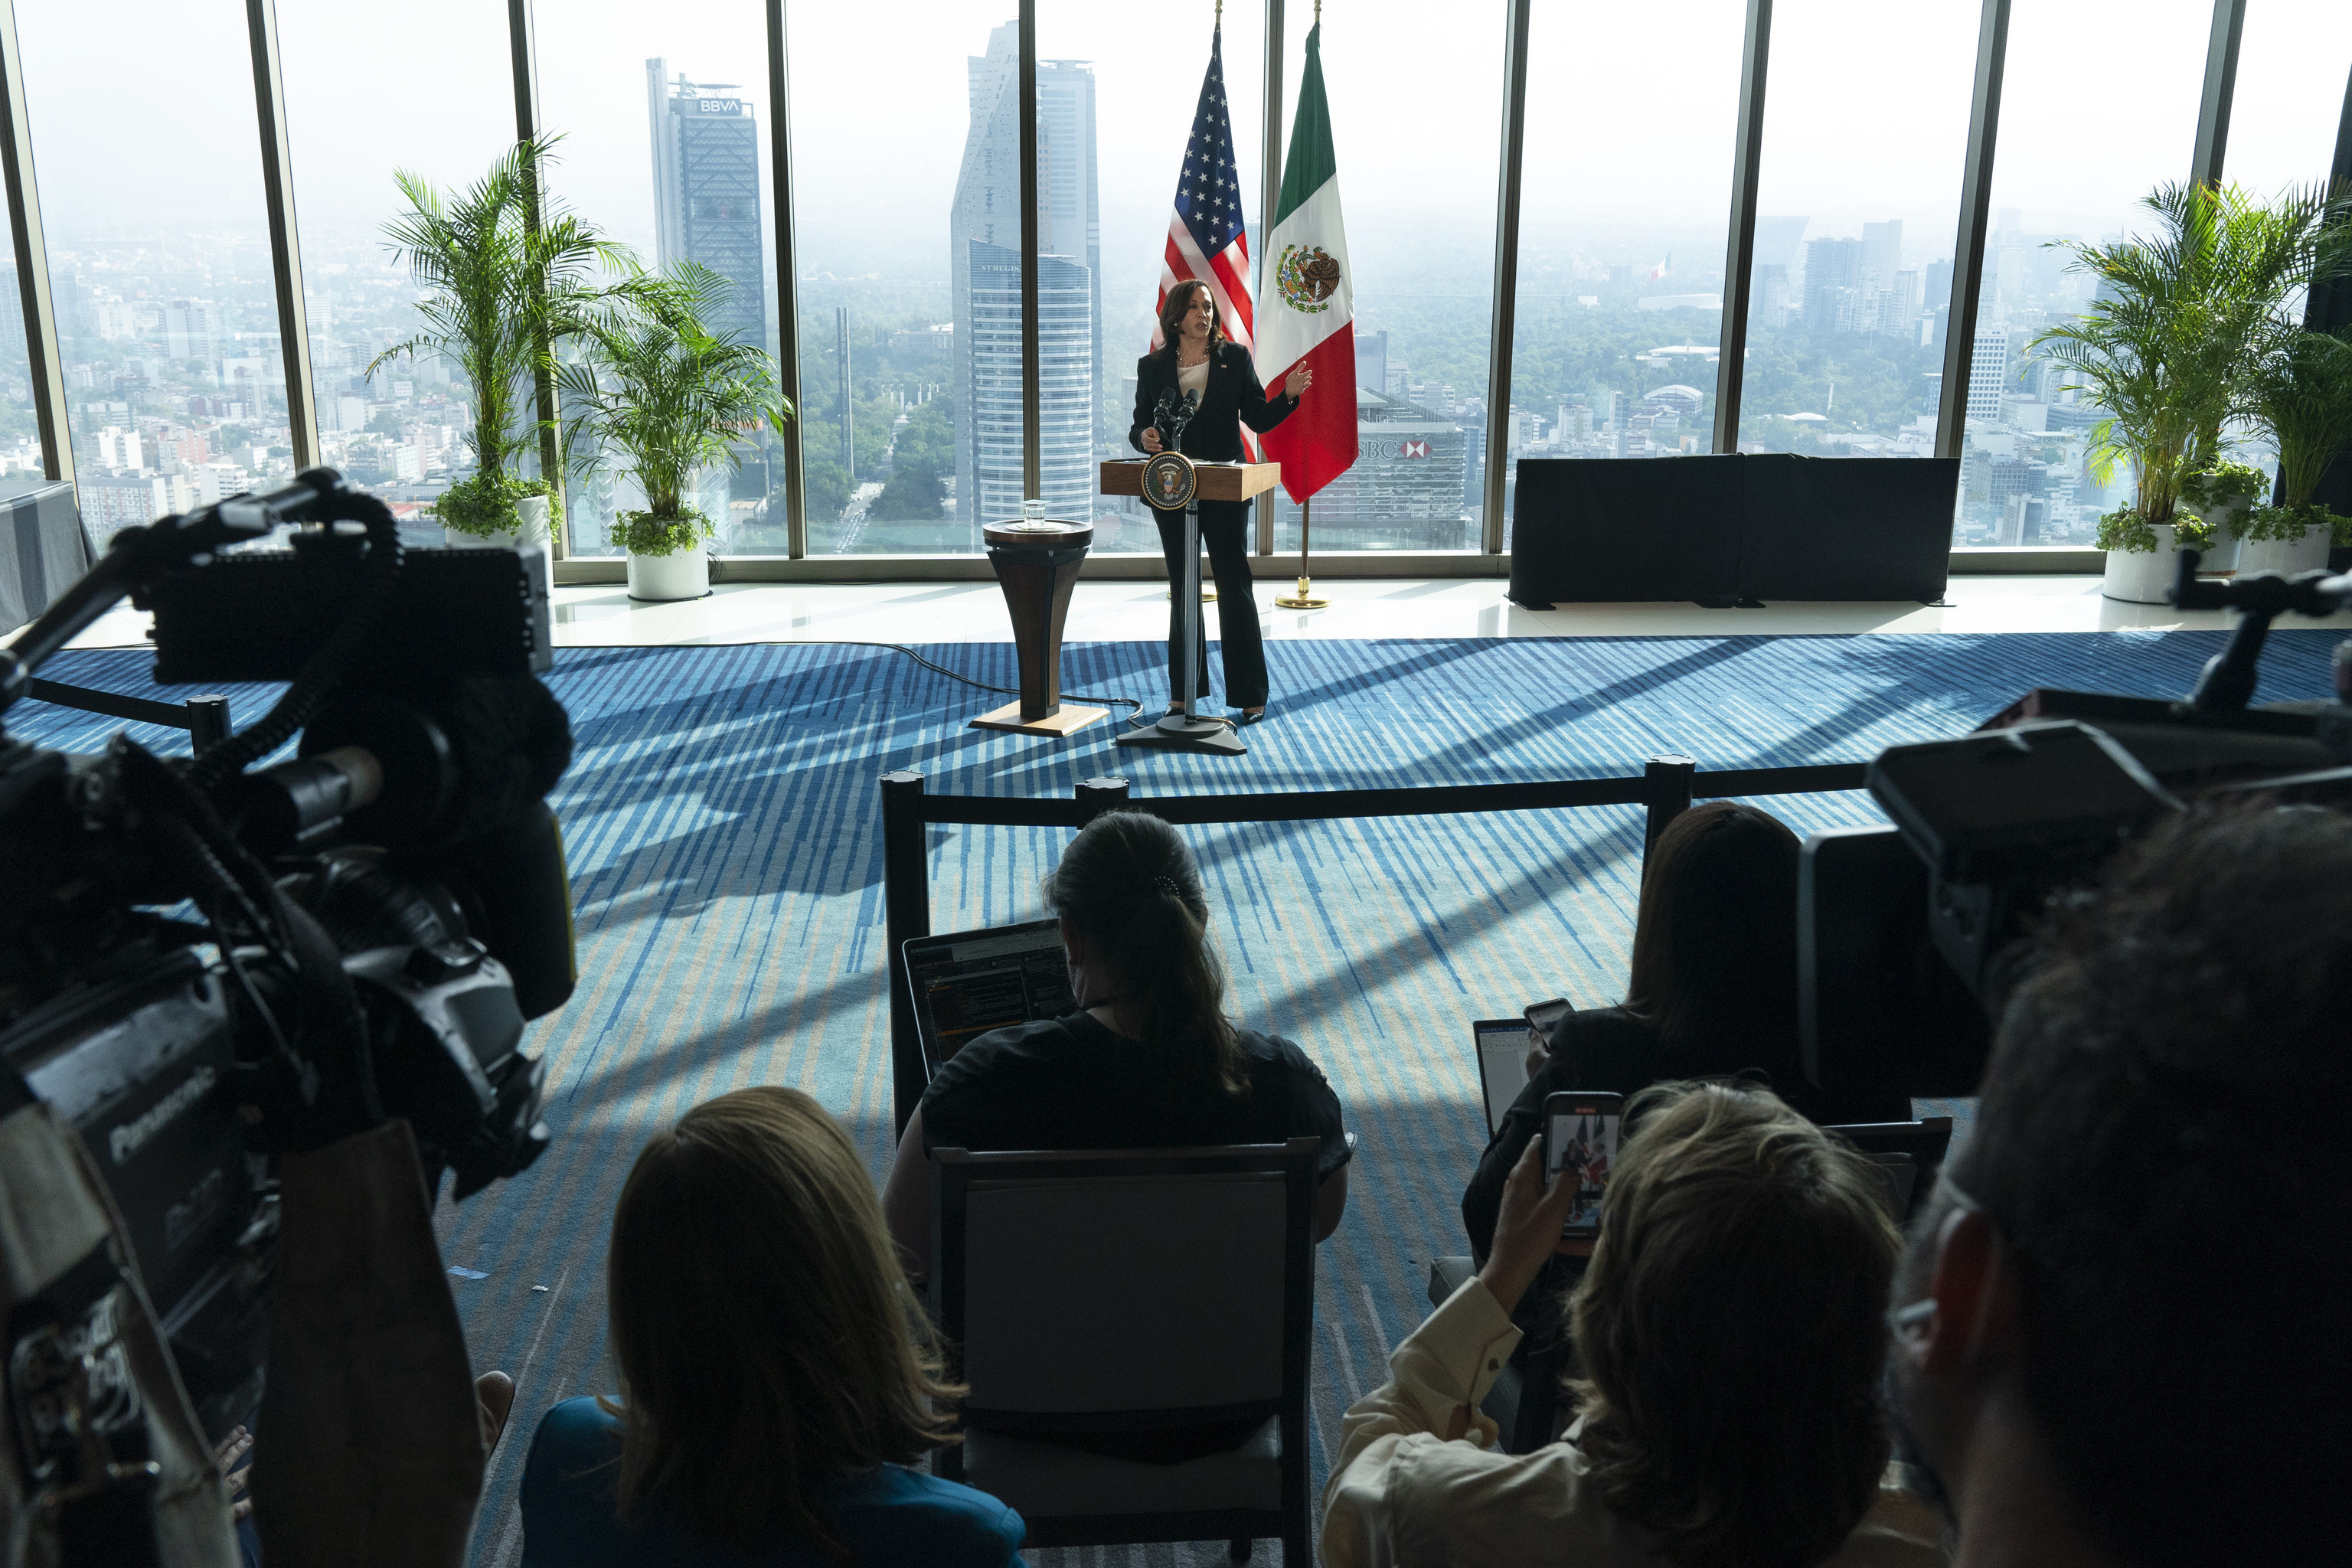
1156,1287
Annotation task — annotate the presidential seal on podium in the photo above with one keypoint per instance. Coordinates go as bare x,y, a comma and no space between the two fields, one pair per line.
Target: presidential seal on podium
1168,482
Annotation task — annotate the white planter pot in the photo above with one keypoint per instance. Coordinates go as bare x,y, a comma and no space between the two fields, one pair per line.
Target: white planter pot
530,540
2284,556
2141,577
683,574
2223,556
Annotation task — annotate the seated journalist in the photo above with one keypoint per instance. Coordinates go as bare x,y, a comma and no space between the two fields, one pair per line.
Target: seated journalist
2120,1325
1713,993
1147,1060
1733,1331
777,1379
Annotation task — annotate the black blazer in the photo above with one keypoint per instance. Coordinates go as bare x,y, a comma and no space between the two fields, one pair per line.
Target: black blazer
1233,395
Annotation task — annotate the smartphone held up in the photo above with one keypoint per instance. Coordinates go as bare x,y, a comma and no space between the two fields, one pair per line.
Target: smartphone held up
1581,1145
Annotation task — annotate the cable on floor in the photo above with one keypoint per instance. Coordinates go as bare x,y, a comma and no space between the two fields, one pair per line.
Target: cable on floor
1134,721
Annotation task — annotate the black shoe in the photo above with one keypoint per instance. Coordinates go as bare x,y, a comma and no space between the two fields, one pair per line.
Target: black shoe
1250,716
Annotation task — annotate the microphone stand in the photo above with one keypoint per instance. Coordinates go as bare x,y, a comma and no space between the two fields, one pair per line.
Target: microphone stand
1186,729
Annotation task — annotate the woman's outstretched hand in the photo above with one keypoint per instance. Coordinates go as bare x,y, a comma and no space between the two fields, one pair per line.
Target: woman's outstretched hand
1296,384
1151,440
1527,1231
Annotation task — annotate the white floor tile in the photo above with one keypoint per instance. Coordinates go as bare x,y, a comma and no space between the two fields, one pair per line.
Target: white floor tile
603,615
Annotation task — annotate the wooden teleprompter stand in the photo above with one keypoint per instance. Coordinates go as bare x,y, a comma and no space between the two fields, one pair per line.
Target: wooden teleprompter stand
1037,566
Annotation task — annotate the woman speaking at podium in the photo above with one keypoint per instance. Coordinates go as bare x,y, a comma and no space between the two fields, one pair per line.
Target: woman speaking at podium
1194,358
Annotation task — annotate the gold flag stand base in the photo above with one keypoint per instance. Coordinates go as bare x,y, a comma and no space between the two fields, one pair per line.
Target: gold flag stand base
1305,599
1071,717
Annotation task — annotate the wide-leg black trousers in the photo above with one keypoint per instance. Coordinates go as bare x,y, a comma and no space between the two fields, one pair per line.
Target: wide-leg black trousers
1224,530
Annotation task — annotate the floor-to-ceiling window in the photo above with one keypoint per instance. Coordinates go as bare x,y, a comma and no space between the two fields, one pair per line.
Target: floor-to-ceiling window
663,115
148,153
1624,201
1416,121
905,156
1866,135
1116,107
2098,108
401,429
2292,60
20,428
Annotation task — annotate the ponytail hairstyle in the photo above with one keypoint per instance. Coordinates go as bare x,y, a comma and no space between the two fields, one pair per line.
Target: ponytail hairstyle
1129,884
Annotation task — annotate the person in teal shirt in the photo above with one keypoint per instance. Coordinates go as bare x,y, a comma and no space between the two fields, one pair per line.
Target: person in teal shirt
778,1379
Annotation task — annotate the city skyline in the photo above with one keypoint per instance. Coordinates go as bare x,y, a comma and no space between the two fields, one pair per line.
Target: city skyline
179,336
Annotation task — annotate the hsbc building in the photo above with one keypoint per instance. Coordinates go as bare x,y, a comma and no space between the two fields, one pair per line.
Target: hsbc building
1405,489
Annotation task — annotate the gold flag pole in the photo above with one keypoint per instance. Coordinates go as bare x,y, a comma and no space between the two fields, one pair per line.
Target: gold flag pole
1305,598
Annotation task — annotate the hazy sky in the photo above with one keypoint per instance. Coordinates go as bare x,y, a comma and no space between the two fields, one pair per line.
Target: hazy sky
141,111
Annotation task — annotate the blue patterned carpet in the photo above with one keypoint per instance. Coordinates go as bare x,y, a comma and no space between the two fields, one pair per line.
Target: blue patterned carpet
727,872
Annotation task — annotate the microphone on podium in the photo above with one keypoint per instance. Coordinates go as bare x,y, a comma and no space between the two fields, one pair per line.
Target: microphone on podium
1169,418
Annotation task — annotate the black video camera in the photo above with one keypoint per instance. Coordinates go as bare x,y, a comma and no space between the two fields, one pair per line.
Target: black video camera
203,965
1909,935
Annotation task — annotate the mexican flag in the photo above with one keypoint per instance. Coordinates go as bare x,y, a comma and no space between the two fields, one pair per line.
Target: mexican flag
1307,312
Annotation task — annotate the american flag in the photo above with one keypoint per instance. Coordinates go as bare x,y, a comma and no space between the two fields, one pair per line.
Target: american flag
1206,238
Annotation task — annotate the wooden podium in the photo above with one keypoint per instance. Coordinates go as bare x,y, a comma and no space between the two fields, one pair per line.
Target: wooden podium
1037,566
1166,489
1217,481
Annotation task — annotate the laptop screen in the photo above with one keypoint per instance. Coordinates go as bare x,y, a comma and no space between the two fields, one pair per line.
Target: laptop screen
966,985
1502,1064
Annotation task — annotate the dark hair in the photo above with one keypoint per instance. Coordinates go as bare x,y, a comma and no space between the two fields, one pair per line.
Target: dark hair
760,1322
1128,883
1171,314
2160,1144
1731,1329
1714,944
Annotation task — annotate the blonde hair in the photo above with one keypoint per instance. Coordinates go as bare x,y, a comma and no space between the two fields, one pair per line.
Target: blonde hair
1731,1328
762,1323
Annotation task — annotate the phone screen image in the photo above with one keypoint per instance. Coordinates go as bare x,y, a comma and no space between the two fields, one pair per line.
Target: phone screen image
1581,1145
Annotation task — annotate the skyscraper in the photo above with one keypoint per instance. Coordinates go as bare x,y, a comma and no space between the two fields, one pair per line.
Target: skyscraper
992,389
1987,372
1777,239
1936,287
984,236
189,328
844,403
1068,194
1882,252
1830,265
706,146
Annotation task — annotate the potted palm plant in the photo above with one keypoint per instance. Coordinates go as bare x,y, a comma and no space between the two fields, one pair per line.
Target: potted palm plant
654,395
512,278
2166,350
2302,394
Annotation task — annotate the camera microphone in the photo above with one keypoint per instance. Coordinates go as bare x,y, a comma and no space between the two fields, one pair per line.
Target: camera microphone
463,774
277,809
312,492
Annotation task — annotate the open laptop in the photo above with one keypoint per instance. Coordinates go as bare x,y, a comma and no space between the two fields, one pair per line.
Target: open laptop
1909,1154
1502,1045
965,984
